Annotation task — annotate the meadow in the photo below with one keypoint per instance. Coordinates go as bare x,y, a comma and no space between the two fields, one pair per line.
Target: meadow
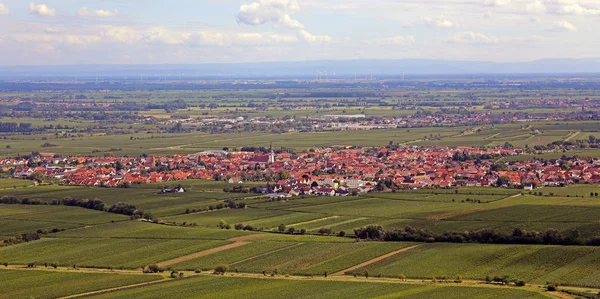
229,287
570,265
50,284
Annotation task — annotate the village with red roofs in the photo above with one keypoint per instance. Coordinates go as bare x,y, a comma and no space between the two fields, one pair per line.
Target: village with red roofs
331,171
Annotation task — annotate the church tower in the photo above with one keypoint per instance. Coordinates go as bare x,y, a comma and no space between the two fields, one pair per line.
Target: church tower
271,154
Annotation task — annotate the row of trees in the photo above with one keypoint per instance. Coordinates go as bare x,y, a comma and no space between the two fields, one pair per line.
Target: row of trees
486,236
12,127
94,204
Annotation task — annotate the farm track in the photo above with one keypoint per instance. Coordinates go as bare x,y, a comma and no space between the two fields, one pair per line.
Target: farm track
123,288
377,259
572,135
266,253
468,211
314,221
237,242
341,278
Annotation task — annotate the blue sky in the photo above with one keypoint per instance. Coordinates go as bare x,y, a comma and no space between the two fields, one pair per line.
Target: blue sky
200,31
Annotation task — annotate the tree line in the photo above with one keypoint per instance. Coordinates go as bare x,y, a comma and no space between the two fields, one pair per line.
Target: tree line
484,236
94,204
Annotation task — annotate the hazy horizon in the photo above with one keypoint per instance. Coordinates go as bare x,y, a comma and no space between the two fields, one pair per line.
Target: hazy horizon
54,32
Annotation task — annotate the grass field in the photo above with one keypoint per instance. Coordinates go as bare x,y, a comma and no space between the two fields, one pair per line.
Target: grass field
227,287
99,239
18,219
103,252
48,284
534,264
145,197
186,143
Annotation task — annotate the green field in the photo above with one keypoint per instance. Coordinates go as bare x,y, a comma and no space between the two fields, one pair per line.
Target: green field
227,287
18,219
49,284
129,253
570,265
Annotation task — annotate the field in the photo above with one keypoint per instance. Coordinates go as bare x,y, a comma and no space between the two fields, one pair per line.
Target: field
16,219
138,143
49,284
304,246
536,264
227,287
86,252
145,197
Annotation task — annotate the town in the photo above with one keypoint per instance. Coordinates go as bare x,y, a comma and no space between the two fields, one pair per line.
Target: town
330,171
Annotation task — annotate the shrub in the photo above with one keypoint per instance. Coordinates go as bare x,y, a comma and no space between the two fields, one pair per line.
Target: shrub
221,269
155,269
325,231
551,288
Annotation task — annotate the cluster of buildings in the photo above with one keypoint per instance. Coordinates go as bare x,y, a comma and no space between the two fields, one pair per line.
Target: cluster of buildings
325,171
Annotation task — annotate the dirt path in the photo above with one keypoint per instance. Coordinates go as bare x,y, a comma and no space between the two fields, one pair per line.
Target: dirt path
192,275
561,295
237,242
266,253
454,213
468,211
572,135
377,259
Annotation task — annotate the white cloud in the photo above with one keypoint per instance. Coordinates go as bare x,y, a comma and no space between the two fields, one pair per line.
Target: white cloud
576,9
41,10
84,12
537,7
563,26
396,40
440,22
4,11
277,12
497,2
166,36
122,34
563,7
270,11
314,38
473,38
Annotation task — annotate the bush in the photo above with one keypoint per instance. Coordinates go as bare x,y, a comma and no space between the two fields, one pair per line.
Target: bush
281,228
154,269
551,288
325,231
520,283
221,269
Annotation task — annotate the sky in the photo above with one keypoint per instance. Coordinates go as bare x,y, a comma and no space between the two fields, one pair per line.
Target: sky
58,32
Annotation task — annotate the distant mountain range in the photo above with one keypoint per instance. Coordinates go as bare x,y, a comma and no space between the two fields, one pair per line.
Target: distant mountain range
310,69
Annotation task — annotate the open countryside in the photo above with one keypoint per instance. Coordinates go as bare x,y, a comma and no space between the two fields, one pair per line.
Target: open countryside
300,149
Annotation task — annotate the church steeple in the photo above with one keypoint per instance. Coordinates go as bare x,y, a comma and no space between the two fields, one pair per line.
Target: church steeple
271,154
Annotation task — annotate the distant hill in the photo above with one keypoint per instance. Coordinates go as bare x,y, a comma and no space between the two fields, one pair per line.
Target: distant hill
334,68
